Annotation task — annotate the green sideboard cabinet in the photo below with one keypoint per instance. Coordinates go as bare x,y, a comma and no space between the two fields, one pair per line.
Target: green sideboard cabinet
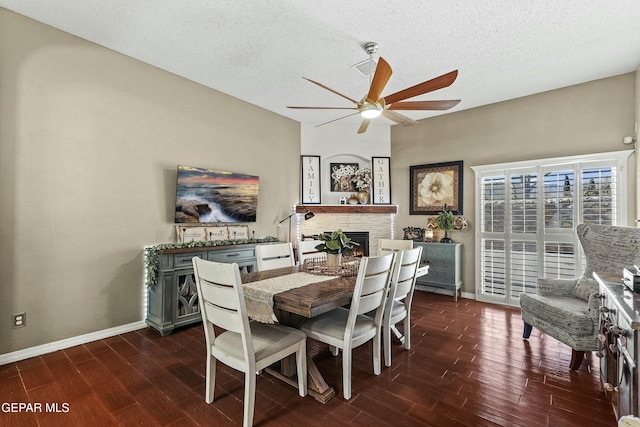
173,300
444,267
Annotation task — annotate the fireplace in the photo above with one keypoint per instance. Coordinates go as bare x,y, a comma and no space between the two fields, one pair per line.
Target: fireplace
379,225
360,237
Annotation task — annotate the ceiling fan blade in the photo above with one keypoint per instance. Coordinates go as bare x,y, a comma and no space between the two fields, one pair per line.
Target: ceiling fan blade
364,126
424,87
424,105
323,108
330,90
398,118
380,79
339,118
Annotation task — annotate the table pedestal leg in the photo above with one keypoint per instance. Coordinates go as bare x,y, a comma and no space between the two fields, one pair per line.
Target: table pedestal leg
316,385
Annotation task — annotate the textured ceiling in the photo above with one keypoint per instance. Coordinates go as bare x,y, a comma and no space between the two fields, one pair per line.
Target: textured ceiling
259,50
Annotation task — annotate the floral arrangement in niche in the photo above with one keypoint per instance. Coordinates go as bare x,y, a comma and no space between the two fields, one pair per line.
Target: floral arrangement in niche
152,258
362,179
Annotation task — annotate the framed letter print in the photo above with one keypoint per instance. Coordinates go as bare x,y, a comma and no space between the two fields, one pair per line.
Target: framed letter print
381,180
310,180
435,186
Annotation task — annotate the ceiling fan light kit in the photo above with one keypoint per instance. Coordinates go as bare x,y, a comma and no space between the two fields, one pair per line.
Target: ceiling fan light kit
374,105
370,111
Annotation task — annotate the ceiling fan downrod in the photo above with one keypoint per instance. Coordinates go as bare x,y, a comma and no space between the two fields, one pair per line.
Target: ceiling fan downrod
370,48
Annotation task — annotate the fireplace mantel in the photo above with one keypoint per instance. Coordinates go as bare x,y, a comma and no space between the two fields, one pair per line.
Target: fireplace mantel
348,209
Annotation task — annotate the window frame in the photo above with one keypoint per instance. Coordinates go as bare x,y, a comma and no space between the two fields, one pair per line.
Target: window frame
617,160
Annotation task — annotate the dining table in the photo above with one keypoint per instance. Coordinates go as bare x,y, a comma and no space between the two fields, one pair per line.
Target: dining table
298,295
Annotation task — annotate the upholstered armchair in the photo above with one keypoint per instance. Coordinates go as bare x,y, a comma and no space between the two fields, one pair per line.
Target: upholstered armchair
569,309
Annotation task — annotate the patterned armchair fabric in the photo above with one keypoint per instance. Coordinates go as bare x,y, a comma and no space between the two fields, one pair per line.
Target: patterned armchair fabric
568,310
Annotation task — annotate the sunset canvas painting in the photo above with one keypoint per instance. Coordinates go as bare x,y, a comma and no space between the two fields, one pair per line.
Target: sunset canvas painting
213,196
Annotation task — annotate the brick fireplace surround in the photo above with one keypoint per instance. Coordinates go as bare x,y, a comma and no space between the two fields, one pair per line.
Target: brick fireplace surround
378,220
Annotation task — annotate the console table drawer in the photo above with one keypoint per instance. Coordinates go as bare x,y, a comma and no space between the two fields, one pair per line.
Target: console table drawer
231,255
184,260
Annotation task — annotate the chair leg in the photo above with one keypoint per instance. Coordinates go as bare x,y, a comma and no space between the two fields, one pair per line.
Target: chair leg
407,332
249,397
386,339
334,350
301,363
576,359
346,373
377,356
527,331
210,379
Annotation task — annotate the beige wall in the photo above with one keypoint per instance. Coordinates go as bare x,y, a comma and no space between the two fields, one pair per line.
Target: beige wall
89,144
587,118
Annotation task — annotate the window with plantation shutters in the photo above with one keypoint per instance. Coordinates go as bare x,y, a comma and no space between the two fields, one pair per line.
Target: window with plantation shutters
527,214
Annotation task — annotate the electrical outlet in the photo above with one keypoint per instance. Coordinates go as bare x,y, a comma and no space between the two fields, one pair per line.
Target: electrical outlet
19,320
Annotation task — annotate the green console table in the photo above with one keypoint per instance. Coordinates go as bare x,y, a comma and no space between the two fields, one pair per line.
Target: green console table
173,300
444,267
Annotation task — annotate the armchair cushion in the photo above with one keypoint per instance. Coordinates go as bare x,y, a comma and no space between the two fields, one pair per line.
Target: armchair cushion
568,312
585,287
558,287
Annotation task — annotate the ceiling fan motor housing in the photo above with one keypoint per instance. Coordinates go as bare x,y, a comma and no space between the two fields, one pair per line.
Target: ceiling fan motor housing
370,48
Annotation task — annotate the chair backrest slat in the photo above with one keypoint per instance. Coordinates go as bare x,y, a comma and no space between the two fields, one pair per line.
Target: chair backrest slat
275,255
372,285
223,295
307,249
224,318
406,265
386,246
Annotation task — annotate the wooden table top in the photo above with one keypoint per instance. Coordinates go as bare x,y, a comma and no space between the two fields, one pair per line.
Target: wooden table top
311,300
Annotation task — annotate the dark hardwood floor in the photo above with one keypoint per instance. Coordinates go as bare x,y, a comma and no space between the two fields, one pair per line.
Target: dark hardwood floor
468,366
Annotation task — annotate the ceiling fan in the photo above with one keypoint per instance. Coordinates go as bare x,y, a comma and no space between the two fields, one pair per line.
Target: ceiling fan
372,105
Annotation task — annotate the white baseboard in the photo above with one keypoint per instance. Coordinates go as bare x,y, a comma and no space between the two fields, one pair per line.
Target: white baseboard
442,291
69,342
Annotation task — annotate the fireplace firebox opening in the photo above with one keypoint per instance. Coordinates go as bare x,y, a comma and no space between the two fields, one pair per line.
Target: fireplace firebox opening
360,237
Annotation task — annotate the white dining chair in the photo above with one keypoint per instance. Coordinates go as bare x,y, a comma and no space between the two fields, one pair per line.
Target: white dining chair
307,249
245,346
346,329
276,255
386,246
398,305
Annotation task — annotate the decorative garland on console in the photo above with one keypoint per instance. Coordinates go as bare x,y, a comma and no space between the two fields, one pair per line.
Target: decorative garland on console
152,258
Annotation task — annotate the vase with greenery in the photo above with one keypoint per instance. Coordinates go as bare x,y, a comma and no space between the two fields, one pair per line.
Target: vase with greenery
335,244
445,221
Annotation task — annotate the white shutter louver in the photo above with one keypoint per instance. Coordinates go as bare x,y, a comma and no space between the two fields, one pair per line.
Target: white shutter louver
527,216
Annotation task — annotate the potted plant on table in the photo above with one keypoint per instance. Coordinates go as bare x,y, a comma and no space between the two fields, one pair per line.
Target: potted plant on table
335,244
445,221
